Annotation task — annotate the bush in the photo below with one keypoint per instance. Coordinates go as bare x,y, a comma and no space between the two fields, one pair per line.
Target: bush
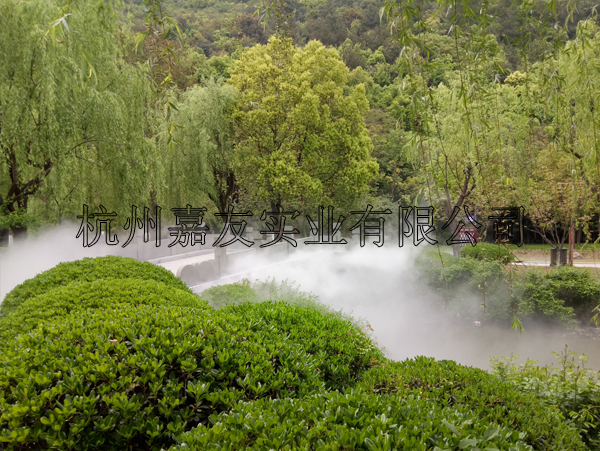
473,288
272,290
342,351
467,389
136,377
572,388
562,294
488,252
235,294
59,302
88,270
349,420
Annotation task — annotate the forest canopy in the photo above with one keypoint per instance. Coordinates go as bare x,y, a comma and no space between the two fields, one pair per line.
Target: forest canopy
212,103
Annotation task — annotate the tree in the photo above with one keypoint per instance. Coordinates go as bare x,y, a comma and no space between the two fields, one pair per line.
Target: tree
300,132
204,155
556,197
67,103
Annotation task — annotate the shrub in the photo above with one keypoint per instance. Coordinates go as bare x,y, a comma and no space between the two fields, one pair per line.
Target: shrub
88,270
235,294
561,294
342,351
574,389
272,290
476,289
488,252
467,389
59,302
349,420
136,377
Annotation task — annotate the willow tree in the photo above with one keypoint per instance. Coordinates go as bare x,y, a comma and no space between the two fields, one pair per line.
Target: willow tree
70,110
301,138
202,161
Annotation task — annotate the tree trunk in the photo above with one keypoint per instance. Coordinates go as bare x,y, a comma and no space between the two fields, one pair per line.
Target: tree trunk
19,233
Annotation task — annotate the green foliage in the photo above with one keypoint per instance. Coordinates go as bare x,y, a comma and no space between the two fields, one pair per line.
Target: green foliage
475,392
276,291
571,387
488,252
72,113
235,294
57,303
301,135
341,350
563,294
350,420
203,155
88,269
470,287
137,376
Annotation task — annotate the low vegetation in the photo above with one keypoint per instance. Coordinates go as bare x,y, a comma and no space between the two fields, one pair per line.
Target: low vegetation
88,270
480,285
570,386
139,363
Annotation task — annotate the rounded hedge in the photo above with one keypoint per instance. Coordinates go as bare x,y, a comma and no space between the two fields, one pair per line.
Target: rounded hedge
137,377
353,420
88,270
221,295
343,351
59,302
466,389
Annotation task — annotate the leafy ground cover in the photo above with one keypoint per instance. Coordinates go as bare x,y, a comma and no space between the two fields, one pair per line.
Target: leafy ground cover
570,386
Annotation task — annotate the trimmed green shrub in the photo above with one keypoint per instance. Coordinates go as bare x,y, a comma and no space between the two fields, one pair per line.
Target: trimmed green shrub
352,420
574,389
488,252
235,294
59,302
271,290
562,294
137,377
88,270
342,351
468,389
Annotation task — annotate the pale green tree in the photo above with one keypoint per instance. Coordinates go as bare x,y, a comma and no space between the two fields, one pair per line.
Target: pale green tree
300,130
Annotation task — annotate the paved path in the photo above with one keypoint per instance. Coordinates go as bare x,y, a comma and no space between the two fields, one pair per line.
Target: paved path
547,263
174,265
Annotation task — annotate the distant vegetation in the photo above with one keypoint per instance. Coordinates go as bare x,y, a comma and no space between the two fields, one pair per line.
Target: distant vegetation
479,286
472,105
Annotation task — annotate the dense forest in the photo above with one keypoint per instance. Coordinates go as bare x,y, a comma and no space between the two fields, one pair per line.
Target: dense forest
211,103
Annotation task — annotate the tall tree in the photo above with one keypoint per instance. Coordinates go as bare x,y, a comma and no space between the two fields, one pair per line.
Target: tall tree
301,135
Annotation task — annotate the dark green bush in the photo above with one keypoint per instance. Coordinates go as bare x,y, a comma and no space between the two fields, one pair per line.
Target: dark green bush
488,252
235,294
59,302
137,377
353,420
561,295
88,270
467,389
342,351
